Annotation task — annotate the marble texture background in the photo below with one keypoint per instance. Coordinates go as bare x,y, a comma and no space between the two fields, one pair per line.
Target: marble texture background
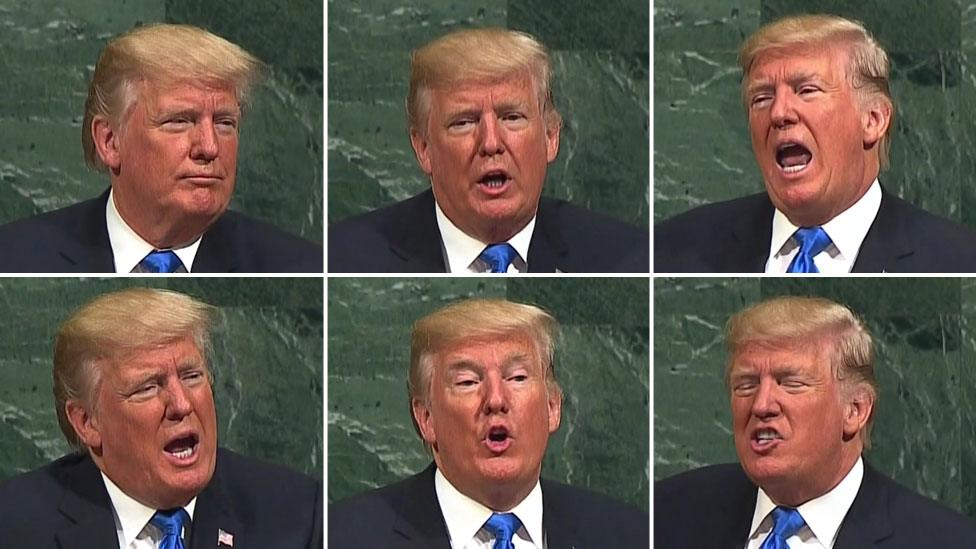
601,364
926,367
601,87
48,51
702,152
267,365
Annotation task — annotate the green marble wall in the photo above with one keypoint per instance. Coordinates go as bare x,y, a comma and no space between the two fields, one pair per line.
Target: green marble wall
600,54
601,362
267,365
701,142
926,367
48,50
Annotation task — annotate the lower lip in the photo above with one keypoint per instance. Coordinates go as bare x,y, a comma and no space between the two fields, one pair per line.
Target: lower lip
494,190
764,447
184,461
498,447
202,180
793,172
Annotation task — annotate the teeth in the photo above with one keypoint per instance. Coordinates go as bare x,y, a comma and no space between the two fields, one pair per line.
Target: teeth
794,169
183,454
764,436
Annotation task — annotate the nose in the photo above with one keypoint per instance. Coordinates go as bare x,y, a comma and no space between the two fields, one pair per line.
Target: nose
491,142
765,403
496,398
782,112
178,403
204,147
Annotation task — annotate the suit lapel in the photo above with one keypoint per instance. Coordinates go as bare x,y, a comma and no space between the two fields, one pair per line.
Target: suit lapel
867,521
887,241
89,248
419,519
415,237
87,504
213,512
751,235
547,250
558,524
216,252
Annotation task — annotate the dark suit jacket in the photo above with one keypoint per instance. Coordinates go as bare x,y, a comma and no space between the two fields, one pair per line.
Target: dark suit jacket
712,507
75,240
406,515
734,236
64,505
404,238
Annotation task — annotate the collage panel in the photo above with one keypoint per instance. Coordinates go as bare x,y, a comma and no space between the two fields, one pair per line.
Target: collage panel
378,486
771,425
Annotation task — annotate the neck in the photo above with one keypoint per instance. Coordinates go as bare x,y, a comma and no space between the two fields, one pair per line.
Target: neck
795,493
161,232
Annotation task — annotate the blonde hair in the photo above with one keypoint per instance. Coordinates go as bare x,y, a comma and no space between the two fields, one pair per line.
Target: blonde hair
473,319
813,321
478,55
162,54
869,68
110,328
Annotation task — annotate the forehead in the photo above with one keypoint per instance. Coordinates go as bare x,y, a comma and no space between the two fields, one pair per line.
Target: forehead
752,356
516,87
489,350
182,352
826,61
156,93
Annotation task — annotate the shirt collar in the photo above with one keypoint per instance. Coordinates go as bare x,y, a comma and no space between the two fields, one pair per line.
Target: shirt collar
846,230
465,517
462,250
131,516
823,515
128,248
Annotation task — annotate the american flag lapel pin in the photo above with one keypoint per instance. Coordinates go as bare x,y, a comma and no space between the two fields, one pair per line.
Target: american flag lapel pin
224,539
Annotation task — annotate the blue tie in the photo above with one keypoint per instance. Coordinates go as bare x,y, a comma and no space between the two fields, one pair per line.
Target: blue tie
170,523
786,522
498,256
503,527
161,262
812,241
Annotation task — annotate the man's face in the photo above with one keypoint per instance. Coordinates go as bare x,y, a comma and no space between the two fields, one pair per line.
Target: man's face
489,416
175,158
811,133
153,430
795,434
486,150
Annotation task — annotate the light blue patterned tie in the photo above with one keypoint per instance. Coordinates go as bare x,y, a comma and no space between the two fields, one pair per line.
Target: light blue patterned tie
498,256
161,262
170,523
786,522
812,241
503,527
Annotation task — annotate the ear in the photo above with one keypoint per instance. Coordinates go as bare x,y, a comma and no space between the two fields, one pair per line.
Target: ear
858,411
422,415
106,140
875,119
552,140
555,410
421,149
84,423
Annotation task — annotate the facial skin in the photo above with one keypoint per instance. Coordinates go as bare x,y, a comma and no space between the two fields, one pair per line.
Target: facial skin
793,395
804,97
147,407
487,131
489,386
173,162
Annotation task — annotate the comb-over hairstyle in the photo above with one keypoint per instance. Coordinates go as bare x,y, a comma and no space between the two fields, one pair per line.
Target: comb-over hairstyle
162,54
478,55
869,69
111,328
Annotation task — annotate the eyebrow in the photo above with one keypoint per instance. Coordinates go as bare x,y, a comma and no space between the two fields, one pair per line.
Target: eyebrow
793,79
512,360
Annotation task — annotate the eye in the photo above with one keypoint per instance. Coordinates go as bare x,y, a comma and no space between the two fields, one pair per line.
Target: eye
808,89
228,124
461,124
194,377
144,392
760,100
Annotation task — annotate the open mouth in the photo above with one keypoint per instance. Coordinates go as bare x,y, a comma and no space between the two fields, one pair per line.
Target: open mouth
183,448
498,440
793,157
494,179
765,438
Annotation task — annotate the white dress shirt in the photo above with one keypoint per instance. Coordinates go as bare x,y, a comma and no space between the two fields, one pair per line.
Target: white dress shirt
846,231
128,248
823,515
465,517
132,520
461,250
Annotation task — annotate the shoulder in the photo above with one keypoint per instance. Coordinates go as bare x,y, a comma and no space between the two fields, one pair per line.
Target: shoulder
703,484
704,221
34,236
918,520
363,243
262,247
232,467
927,227
596,242
370,518
569,506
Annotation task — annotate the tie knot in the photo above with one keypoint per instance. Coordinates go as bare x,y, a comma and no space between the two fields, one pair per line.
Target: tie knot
786,522
170,521
158,261
498,256
812,240
503,527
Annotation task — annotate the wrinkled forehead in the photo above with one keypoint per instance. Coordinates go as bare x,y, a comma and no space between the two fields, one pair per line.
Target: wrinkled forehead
811,353
799,58
515,345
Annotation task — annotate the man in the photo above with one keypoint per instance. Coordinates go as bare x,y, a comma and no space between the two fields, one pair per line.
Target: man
815,88
803,393
484,127
484,399
132,390
162,118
